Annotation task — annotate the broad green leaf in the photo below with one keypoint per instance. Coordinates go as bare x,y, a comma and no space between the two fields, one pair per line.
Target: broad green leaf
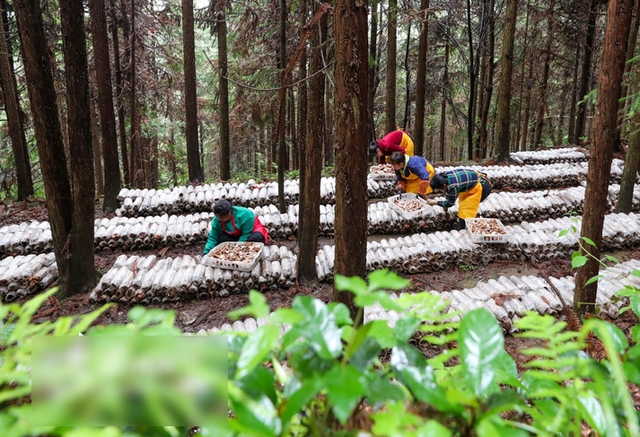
433,428
340,310
257,417
481,345
610,258
619,340
563,233
632,372
260,382
592,280
365,354
355,284
578,261
257,307
386,280
380,390
383,333
593,412
319,327
395,421
301,397
256,349
344,385
590,241
406,327
286,315
496,427
355,343
635,333
635,304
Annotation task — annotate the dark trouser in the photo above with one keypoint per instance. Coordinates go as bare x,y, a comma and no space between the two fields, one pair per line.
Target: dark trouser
255,237
486,190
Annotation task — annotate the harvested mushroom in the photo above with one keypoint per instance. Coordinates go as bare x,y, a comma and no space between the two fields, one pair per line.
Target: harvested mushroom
410,205
382,169
237,252
486,227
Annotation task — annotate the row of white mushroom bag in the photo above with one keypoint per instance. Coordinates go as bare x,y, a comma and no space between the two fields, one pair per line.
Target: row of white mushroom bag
200,198
132,233
507,298
22,276
153,280
562,155
442,250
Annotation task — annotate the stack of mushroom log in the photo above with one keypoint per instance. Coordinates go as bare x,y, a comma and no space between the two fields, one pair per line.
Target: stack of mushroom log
184,199
22,276
508,298
145,280
160,231
564,155
441,250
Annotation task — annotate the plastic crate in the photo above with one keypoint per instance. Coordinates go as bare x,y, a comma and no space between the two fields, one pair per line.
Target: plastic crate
232,265
408,215
382,177
484,238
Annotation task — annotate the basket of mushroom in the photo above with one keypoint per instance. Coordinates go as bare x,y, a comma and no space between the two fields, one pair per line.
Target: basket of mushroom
382,172
235,256
408,205
483,230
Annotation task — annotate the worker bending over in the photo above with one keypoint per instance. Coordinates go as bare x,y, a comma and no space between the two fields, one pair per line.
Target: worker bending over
234,223
471,186
397,141
413,173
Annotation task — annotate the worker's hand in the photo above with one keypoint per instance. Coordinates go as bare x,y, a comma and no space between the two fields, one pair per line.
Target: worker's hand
432,202
421,196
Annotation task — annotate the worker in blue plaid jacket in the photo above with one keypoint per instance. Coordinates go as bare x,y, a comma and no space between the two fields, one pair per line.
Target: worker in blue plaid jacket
472,187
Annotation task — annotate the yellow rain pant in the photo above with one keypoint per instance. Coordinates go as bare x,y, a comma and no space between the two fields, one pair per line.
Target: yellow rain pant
469,201
406,144
413,181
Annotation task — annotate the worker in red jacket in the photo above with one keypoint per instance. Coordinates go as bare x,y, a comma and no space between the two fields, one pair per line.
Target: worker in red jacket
397,141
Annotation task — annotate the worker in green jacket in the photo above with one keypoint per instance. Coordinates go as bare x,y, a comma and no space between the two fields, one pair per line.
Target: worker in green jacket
234,223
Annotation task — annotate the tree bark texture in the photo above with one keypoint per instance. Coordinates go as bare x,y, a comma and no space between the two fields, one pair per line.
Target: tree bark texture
407,90
516,141
632,160
283,106
506,72
527,108
126,170
137,166
574,95
373,47
13,110
488,85
391,66
97,150
542,104
105,104
225,172
190,93
609,89
473,75
443,110
302,118
585,77
44,109
310,199
421,78
351,158
81,274
631,50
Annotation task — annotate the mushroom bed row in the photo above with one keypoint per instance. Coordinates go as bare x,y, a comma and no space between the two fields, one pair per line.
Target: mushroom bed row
201,198
149,279
150,232
442,250
564,155
22,276
508,298
184,278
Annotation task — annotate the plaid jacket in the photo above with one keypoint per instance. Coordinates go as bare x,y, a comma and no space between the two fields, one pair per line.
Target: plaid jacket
459,180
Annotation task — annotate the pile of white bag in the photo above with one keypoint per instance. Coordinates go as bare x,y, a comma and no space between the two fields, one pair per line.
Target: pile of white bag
564,155
22,276
145,280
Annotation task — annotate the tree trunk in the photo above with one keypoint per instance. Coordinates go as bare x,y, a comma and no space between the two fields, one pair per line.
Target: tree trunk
351,158
473,75
97,151
283,106
126,170
563,107
631,50
391,66
303,120
105,104
328,139
443,113
190,93
136,150
572,111
522,80
632,160
310,199
225,172
407,105
421,78
44,108
542,104
13,110
609,88
488,86
527,108
506,72
586,72
372,67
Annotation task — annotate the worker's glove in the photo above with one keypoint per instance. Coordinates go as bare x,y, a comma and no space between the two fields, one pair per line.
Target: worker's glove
422,196
432,202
